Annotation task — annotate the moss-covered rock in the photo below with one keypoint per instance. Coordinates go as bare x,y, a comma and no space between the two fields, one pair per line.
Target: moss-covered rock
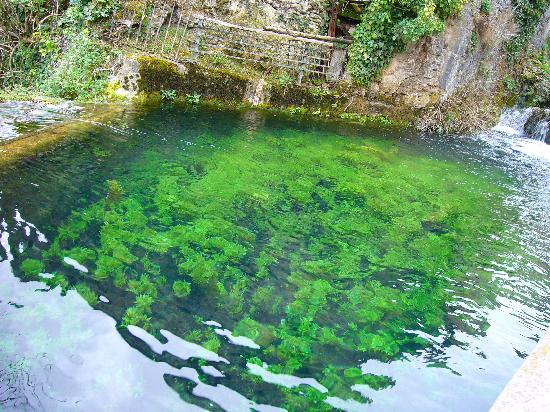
158,74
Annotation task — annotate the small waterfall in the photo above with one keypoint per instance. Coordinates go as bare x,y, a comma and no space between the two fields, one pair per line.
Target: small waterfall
531,123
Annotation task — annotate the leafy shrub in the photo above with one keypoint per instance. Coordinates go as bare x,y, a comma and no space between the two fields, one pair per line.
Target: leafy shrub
535,78
79,72
194,98
84,11
100,9
168,94
527,14
20,21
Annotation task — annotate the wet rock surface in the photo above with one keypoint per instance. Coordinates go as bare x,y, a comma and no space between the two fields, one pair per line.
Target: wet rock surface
537,125
17,118
530,123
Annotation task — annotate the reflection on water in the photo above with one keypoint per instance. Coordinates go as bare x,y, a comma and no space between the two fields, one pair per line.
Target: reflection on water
58,354
17,118
199,260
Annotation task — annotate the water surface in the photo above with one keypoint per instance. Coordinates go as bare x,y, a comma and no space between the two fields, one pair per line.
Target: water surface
178,259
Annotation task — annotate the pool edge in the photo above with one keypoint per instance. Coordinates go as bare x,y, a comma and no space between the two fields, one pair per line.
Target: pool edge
36,141
529,388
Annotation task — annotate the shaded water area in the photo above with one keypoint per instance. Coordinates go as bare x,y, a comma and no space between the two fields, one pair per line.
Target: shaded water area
182,259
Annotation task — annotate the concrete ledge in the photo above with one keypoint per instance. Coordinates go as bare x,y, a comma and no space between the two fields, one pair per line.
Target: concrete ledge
529,389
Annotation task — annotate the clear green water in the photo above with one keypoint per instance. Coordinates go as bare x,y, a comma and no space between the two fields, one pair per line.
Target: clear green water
315,266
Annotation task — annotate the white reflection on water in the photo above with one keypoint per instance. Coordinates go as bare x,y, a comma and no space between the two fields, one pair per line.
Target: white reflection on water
176,346
288,381
56,353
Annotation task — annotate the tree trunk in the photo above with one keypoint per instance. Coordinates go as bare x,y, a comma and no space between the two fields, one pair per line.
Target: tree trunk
333,18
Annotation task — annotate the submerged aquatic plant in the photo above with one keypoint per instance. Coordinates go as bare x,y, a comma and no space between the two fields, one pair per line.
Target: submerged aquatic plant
32,267
181,289
88,294
325,251
114,193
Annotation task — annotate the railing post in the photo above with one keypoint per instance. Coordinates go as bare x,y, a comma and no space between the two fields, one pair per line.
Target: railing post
336,65
303,60
198,32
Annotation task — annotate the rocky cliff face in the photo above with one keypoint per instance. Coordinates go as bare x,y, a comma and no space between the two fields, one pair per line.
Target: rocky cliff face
542,32
468,53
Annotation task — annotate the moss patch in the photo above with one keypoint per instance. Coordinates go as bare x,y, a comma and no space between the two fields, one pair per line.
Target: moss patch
157,74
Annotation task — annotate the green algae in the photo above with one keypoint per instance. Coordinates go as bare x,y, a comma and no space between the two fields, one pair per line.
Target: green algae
158,74
324,250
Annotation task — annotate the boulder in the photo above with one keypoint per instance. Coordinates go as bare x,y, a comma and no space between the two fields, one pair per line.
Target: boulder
537,126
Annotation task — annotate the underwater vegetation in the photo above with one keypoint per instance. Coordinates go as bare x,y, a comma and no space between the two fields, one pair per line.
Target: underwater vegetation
324,250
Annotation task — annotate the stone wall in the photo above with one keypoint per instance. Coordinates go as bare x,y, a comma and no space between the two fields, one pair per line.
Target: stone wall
542,32
469,52
310,16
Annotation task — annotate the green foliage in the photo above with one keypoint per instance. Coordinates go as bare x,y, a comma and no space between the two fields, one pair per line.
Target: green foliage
181,289
474,41
282,79
114,193
24,40
88,294
59,280
168,94
82,12
136,317
142,286
530,70
219,59
485,7
81,254
32,267
193,99
206,338
79,72
509,83
254,330
99,9
527,14
535,79
325,250
387,27
107,266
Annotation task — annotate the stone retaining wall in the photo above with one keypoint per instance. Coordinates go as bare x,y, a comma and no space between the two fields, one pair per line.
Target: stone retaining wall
310,16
